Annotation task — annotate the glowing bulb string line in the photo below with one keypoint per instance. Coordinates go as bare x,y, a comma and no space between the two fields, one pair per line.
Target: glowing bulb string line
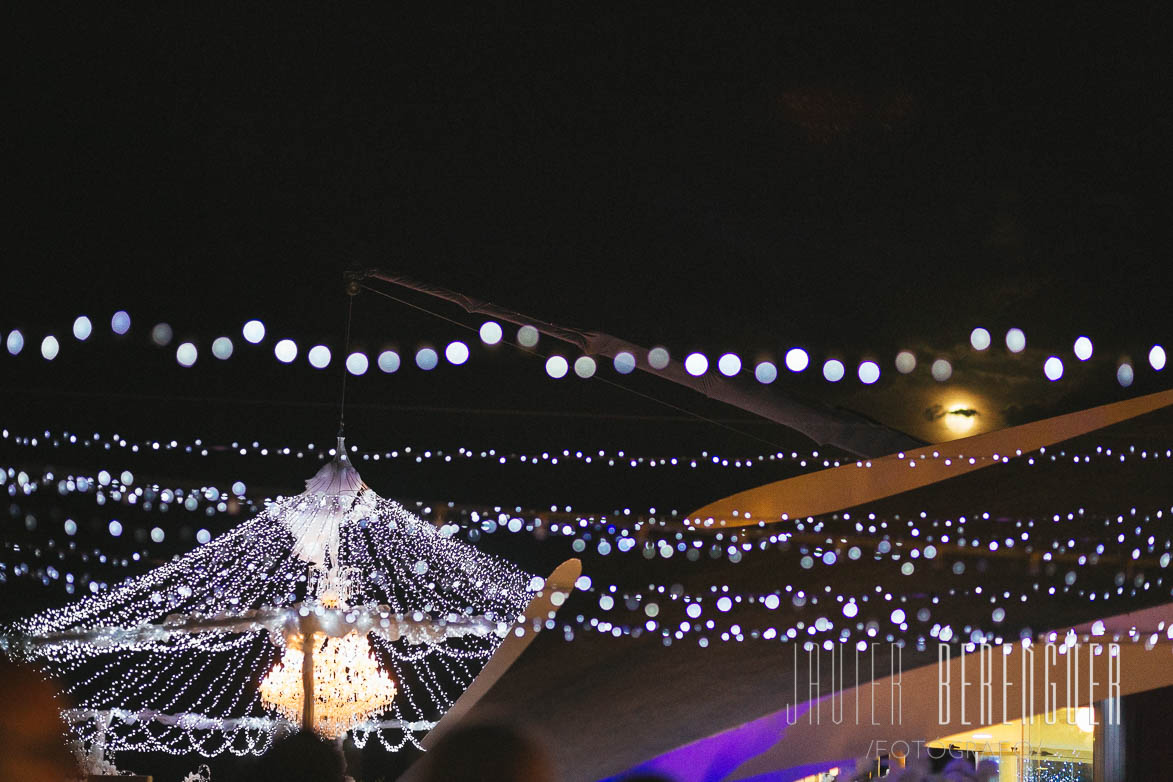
534,353
565,457
473,521
584,528
797,359
726,601
773,601
624,533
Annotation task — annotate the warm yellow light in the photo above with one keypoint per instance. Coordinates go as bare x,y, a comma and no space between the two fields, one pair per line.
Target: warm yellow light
1085,719
960,416
349,686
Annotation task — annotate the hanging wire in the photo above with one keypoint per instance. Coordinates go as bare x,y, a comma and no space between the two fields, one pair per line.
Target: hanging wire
345,355
528,351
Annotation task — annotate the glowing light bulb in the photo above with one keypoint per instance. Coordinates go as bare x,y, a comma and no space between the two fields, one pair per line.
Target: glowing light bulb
696,364
120,322
186,354
82,328
357,363
729,364
319,356
222,348
456,353
1015,340
388,361
426,359
557,367
285,350
797,360
833,370
491,332
1157,358
254,331
1083,348
1124,375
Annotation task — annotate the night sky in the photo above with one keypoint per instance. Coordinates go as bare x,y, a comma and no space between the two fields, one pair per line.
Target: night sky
854,179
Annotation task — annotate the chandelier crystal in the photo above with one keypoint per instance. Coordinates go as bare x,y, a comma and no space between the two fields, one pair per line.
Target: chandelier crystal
349,687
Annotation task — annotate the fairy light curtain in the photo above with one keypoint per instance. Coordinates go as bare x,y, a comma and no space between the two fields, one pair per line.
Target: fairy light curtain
176,659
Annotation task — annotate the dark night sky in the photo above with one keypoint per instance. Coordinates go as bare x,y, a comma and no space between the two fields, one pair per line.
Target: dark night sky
853,178
856,180
799,175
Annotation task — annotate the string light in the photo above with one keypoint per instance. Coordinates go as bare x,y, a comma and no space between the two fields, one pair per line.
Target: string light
795,359
337,556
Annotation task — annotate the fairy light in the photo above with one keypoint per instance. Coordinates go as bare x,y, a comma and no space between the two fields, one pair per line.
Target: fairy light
795,359
408,615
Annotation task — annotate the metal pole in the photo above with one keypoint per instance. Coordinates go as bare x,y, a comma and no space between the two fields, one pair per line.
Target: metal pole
841,428
307,676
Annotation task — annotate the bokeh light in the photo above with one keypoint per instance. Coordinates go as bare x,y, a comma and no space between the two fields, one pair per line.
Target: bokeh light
389,361
357,363
285,350
1015,340
1083,348
797,360
658,358
1157,358
869,372
527,336
456,353
1053,368
186,354
584,366
426,359
491,332
82,328
161,334
49,348
833,370
696,364
905,362
222,348
979,338
729,364
254,331
941,370
624,362
15,342
765,372
556,367
319,356
1124,375
120,323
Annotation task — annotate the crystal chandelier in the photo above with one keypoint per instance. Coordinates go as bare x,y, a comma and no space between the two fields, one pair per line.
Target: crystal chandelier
399,617
348,684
